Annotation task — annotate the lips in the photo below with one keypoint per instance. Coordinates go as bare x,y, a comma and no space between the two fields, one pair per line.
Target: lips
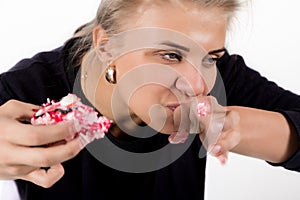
173,106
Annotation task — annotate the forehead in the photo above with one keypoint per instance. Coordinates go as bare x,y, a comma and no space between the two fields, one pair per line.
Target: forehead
206,26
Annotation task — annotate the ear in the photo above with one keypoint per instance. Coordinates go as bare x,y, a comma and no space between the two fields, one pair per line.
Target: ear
99,36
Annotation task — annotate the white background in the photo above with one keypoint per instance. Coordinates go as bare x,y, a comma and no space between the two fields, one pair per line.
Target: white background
266,33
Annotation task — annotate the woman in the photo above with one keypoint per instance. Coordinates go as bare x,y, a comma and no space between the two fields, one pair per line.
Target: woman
87,178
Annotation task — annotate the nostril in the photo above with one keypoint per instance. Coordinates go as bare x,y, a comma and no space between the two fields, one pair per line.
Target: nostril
183,85
188,89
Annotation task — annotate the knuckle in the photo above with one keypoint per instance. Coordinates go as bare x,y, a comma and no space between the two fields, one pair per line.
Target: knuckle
10,104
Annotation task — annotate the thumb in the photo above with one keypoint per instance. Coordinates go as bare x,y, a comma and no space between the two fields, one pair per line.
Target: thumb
45,178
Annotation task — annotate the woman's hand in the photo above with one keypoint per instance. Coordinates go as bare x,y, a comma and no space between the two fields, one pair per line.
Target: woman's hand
252,132
24,149
219,128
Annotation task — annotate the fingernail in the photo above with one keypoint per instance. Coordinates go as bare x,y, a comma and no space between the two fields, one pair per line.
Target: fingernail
222,159
216,150
35,109
201,109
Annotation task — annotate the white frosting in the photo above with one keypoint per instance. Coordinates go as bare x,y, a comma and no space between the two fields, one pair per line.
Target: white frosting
68,100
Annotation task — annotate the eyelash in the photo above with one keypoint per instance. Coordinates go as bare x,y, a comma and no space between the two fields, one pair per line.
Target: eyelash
176,56
209,60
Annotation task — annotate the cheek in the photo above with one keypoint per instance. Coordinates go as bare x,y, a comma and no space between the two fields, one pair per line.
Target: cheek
127,62
147,104
143,99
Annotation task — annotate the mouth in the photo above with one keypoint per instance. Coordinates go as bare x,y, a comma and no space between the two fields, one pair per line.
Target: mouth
172,106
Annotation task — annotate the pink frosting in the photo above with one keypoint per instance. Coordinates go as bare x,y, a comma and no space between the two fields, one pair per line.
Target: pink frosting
70,108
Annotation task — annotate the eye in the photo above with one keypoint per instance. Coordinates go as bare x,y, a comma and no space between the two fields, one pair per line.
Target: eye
209,60
170,57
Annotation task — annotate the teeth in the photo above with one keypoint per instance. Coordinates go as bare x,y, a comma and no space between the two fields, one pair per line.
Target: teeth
172,108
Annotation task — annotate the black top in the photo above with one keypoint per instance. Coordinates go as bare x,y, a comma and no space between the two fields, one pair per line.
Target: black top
47,75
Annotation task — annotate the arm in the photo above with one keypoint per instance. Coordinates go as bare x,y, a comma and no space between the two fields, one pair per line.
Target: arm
269,125
266,135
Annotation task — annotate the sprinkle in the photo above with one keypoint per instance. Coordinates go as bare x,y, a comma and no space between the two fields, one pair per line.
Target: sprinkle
70,108
202,109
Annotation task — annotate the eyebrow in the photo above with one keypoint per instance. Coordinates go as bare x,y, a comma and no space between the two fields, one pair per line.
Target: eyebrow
171,44
223,49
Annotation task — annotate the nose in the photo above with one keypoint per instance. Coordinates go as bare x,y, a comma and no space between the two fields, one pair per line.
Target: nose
191,86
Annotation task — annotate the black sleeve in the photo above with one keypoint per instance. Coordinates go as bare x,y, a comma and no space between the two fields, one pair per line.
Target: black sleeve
246,87
4,93
36,79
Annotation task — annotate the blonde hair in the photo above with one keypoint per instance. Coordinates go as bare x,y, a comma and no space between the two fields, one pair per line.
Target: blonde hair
112,15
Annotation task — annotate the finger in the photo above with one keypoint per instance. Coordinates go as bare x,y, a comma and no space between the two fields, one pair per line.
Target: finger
11,172
213,120
29,135
208,105
221,127
45,156
221,155
18,110
213,130
45,178
229,140
223,158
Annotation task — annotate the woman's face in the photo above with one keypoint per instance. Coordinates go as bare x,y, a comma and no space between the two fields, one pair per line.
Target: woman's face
206,27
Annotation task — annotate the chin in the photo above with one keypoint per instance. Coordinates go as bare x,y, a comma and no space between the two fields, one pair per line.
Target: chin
167,129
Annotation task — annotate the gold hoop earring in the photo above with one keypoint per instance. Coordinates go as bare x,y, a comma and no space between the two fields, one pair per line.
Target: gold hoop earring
111,74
